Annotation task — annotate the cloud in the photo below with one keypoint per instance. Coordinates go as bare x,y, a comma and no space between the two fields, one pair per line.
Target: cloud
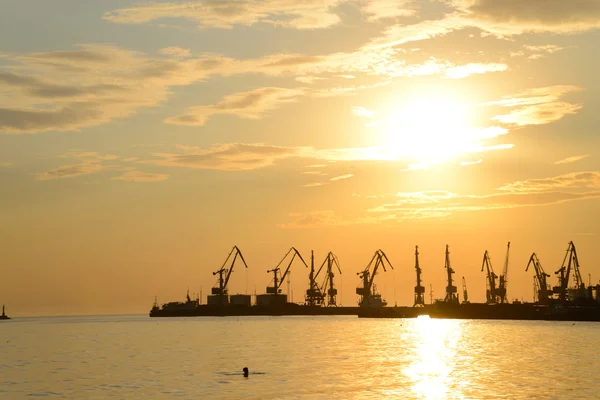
400,34
363,112
69,171
227,157
440,204
89,163
516,16
418,205
463,71
465,163
575,180
307,14
572,159
382,9
337,178
138,176
537,106
250,105
175,51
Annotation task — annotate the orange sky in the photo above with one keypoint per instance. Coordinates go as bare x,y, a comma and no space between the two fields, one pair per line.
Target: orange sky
140,142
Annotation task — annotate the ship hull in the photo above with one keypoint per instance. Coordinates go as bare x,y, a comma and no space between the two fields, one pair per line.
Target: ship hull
521,311
233,310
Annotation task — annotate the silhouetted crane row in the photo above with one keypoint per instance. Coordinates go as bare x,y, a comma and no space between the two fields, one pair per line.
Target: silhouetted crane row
502,283
451,296
544,292
563,276
221,290
419,289
491,296
368,294
330,260
465,293
277,281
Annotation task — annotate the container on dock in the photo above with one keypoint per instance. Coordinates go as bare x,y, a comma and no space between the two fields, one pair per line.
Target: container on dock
240,300
271,299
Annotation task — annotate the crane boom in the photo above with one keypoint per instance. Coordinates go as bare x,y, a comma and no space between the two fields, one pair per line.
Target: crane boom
564,273
367,292
543,290
277,281
224,281
328,284
490,292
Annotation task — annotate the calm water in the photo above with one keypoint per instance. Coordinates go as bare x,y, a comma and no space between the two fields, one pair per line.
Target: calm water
135,357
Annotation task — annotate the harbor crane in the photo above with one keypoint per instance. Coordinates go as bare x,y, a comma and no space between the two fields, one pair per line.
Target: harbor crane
221,290
314,294
563,275
465,293
543,291
491,294
368,293
419,289
503,280
330,260
278,280
451,296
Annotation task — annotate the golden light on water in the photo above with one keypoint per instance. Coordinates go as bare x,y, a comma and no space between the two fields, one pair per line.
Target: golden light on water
435,342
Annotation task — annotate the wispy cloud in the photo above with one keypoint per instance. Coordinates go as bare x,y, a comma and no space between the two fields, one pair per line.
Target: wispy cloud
175,51
310,14
228,157
463,71
465,163
572,159
575,180
537,106
70,171
89,163
363,112
337,178
250,105
139,176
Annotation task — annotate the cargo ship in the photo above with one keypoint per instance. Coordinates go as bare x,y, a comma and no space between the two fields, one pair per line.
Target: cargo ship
558,303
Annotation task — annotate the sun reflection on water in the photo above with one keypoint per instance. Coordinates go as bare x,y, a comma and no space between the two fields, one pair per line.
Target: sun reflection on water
434,344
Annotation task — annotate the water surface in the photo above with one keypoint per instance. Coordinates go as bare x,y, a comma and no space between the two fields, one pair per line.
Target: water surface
134,357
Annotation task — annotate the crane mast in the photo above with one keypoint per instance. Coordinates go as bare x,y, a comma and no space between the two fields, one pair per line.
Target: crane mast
277,281
564,272
314,295
542,288
369,296
490,293
331,260
225,273
465,293
502,282
451,296
419,289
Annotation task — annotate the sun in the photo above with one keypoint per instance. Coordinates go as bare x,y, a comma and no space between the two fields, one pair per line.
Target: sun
430,131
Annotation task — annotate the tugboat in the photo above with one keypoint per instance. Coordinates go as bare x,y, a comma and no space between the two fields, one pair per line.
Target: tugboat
4,316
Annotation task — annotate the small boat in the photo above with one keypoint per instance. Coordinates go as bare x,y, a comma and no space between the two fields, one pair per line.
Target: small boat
4,316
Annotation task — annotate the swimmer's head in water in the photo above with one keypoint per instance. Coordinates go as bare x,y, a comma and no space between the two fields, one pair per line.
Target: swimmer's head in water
245,371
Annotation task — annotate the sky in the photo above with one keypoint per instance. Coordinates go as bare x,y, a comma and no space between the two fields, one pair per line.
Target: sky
139,142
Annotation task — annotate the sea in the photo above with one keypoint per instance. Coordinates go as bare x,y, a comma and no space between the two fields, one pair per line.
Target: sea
295,357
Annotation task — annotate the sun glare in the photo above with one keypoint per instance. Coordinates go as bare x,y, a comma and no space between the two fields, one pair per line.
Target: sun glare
433,131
